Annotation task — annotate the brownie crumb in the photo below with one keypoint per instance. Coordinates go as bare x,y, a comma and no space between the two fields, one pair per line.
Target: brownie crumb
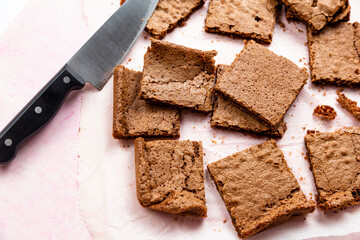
349,105
311,131
325,111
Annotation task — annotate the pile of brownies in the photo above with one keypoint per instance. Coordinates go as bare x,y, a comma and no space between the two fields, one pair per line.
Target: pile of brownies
251,95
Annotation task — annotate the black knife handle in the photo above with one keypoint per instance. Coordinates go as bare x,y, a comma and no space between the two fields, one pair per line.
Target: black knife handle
38,112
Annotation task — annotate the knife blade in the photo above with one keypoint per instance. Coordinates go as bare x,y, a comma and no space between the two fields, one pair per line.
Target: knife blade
93,63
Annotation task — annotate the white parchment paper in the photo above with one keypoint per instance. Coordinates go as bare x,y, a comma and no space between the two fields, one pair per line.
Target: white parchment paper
107,191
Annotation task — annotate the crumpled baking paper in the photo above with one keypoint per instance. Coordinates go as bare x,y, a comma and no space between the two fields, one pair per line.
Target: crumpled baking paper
107,191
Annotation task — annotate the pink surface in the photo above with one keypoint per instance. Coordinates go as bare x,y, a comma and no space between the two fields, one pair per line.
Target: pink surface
38,189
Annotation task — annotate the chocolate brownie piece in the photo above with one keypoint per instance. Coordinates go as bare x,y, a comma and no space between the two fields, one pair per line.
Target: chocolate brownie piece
258,189
170,176
335,56
178,76
317,14
251,19
349,105
263,83
169,14
335,162
133,117
228,115
325,111
342,16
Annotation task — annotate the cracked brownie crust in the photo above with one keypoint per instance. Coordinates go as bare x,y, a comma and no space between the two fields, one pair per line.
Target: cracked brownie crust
335,162
178,76
133,117
169,14
170,176
317,13
228,115
251,19
335,55
276,81
258,189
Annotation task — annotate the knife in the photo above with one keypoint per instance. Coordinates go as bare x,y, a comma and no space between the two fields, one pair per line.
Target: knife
93,63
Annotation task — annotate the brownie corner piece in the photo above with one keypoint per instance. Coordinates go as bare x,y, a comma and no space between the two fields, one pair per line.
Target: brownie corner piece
335,163
335,55
133,117
258,189
178,76
317,15
250,19
276,80
169,14
170,176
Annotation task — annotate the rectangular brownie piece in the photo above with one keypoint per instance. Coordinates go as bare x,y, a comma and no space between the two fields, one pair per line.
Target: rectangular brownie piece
169,14
251,19
178,76
258,189
228,115
335,162
262,83
317,14
133,117
335,55
170,176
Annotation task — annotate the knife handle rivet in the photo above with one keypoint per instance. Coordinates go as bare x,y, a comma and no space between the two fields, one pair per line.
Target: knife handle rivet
66,79
38,110
8,142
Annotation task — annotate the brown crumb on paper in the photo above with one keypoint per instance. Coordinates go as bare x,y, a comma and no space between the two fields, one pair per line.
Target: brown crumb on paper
348,104
325,111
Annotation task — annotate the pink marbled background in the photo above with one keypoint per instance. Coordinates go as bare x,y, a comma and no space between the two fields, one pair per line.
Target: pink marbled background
38,190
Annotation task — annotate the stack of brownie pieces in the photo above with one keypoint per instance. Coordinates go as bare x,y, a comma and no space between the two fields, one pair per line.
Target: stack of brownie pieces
251,95
248,95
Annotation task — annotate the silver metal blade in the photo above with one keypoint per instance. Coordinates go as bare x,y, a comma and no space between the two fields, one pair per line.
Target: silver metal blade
96,59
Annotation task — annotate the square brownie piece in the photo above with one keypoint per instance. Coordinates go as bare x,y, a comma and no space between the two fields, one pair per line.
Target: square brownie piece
335,163
335,55
251,19
178,76
133,117
170,176
317,14
226,114
262,83
169,14
258,189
